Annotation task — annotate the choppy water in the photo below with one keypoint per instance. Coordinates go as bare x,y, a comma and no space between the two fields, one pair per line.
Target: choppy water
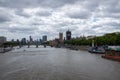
56,64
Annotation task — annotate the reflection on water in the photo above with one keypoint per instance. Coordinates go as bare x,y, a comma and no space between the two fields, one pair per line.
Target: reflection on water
56,64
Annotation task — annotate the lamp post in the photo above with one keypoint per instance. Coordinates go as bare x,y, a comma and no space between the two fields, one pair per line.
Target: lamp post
93,43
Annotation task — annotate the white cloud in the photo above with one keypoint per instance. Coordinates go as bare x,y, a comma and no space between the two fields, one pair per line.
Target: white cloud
21,18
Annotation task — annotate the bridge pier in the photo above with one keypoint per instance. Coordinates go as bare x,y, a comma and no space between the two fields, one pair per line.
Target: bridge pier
20,45
36,46
28,44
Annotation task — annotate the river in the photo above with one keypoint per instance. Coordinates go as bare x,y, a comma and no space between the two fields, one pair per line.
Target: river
56,64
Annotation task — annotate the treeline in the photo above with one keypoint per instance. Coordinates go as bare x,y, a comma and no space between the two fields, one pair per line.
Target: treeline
12,44
45,43
107,39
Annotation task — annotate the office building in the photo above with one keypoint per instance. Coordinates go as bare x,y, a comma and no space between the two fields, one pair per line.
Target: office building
24,41
2,39
31,40
44,38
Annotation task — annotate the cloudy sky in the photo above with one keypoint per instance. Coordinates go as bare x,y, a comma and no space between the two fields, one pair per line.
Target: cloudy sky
22,18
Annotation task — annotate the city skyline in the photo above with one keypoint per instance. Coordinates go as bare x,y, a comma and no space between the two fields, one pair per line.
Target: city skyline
23,18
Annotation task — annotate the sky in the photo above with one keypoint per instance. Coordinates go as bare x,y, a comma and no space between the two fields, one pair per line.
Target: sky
22,18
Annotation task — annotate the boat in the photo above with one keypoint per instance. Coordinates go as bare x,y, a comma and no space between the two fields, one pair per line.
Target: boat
98,50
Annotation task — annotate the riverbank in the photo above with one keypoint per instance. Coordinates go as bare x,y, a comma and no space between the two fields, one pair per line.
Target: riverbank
115,58
75,47
3,50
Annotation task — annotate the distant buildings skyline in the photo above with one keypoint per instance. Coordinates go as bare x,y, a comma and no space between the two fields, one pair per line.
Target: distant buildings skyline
68,35
58,42
34,37
44,38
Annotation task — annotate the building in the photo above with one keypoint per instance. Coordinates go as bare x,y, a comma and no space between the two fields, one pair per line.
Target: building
61,37
2,40
12,40
23,41
44,38
40,41
31,40
68,35
18,41
90,37
55,43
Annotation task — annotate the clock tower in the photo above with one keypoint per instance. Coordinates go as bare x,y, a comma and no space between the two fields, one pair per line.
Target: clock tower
68,35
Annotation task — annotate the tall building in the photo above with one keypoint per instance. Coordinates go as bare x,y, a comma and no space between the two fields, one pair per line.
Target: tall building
2,40
12,40
24,41
44,38
61,37
31,40
68,35
40,41
18,41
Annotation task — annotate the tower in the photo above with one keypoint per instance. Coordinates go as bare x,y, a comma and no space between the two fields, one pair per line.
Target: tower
68,35
31,40
61,37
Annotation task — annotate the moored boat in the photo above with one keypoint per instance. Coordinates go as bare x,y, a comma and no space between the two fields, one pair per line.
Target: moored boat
98,50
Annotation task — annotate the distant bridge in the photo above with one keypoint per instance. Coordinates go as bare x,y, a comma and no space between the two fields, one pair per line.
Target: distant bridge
32,46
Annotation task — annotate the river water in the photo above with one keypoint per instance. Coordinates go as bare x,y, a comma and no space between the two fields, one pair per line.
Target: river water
56,64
